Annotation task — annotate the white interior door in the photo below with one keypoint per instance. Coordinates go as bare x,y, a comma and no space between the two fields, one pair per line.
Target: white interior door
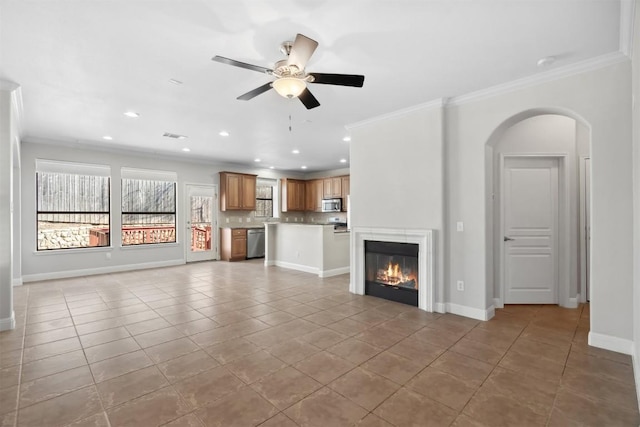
530,230
587,220
202,236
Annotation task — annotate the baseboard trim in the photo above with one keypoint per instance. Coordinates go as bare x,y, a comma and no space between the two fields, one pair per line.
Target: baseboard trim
102,270
608,342
497,303
8,323
573,302
17,282
298,267
635,359
335,272
440,307
474,313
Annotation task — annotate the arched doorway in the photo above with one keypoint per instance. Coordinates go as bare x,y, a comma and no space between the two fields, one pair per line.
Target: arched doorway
546,262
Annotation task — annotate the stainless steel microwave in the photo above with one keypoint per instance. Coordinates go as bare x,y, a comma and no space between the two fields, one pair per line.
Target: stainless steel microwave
331,205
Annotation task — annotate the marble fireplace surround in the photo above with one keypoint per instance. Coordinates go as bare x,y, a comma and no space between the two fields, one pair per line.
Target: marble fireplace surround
424,240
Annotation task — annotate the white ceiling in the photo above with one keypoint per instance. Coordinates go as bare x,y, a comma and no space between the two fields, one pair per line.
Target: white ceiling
82,64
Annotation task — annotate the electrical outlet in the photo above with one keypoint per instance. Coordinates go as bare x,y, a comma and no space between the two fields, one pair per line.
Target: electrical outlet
227,220
460,226
108,255
460,285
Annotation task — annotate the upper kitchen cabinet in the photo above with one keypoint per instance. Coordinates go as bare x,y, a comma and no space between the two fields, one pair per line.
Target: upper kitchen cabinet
332,187
313,195
346,190
346,186
293,195
237,191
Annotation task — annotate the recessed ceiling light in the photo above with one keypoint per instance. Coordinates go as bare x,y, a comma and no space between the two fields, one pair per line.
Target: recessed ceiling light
296,151
175,82
107,137
346,139
257,160
303,167
132,114
546,61
343,160
186,150
223,133
272,167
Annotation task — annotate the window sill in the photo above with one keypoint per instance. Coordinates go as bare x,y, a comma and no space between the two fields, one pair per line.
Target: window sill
68,251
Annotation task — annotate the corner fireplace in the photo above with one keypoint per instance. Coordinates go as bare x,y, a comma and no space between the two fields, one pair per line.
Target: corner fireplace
391,271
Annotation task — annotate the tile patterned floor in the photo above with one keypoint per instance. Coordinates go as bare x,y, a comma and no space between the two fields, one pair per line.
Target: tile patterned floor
238,344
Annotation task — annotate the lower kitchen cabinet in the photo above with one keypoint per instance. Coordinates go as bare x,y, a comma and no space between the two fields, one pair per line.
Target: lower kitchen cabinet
233,244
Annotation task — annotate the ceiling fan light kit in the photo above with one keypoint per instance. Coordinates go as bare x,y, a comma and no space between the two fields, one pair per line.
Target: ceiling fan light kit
291,77
289,87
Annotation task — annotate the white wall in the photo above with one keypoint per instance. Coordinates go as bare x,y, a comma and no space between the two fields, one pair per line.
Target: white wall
63,263
397,176
552,134
636,176
601,98
7,138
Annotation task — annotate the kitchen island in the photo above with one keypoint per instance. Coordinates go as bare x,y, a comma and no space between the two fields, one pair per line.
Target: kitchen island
313,248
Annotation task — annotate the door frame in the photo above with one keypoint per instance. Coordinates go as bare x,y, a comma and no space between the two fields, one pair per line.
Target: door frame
563,233
187,219
583,236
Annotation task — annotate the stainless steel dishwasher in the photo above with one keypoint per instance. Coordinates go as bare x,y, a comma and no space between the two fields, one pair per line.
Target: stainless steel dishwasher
255,243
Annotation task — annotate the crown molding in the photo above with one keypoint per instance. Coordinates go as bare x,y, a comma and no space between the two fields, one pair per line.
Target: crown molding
436,103
627,15
547,76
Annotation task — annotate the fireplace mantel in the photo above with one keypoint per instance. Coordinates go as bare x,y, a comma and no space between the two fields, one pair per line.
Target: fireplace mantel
423,238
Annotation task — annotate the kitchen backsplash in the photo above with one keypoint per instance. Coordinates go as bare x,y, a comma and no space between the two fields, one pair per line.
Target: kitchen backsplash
249,219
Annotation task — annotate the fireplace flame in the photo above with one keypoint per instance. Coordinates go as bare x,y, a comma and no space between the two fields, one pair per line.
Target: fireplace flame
393,275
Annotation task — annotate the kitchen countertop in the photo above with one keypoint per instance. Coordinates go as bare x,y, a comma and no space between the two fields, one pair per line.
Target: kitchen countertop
318,224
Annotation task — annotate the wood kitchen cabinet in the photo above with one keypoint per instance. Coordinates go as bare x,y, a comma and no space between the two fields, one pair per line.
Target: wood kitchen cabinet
233,244
237,191
332,188
313,195
293,195
346,190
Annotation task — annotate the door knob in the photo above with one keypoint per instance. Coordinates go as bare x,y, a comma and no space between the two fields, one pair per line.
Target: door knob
506,239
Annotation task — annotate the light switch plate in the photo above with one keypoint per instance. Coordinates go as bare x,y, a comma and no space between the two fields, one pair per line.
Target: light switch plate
459,226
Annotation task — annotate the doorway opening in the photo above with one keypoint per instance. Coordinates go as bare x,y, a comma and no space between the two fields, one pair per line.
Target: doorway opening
534,197
201,220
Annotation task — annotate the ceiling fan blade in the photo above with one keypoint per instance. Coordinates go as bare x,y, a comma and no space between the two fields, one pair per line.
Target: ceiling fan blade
338,79
253,93
308,99
302,49
235,63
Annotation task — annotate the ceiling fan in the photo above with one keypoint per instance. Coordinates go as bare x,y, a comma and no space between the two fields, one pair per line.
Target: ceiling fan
290,76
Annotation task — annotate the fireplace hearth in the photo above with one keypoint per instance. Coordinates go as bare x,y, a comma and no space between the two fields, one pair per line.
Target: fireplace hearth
391,271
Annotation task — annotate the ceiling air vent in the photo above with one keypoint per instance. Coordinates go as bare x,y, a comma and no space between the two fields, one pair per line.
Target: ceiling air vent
173,135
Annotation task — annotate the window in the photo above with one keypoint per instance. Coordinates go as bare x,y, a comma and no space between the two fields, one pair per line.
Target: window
264,198
72,205
148,207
